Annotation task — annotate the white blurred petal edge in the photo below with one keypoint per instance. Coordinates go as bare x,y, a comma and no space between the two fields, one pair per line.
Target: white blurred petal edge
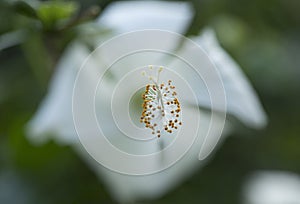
275,187
242,101
126,16
54,116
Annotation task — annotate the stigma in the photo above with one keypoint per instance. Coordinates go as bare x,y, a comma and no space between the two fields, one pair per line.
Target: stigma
161,108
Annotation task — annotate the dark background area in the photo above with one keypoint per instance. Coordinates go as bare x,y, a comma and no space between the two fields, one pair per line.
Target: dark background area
261,35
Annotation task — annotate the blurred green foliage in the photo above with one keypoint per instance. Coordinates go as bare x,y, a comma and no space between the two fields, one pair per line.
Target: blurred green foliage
261,35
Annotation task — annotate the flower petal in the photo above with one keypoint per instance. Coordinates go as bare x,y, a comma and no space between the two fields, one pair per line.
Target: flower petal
272,187
128,188
139,15
54,116
242,101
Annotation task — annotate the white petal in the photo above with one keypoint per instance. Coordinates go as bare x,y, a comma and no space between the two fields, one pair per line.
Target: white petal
242,100
128,16
54,117
128,188
274,187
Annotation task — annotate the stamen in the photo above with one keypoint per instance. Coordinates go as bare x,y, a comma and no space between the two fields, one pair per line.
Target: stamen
161,108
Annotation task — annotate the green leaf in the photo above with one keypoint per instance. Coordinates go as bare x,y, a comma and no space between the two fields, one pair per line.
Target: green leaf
37,56
51,12
25,9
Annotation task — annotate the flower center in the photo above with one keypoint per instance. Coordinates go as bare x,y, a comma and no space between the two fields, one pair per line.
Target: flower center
161,108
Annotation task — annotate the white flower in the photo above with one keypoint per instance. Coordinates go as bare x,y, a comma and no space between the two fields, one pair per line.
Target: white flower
274,187
54,117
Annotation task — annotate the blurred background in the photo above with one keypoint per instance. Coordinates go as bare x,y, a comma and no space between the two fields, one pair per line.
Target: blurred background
261,35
